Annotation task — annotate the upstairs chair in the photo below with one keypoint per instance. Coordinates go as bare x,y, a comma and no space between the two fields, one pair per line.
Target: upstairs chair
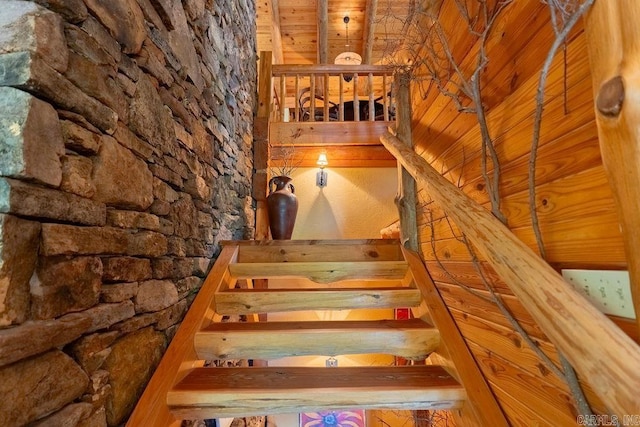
304,104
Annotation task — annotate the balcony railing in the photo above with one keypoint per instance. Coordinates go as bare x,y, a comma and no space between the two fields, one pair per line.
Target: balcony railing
323,93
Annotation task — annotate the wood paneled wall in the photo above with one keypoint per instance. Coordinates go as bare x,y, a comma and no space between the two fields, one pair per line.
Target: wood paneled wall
579,225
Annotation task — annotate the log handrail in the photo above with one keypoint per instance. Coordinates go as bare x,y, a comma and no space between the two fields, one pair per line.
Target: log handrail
600,352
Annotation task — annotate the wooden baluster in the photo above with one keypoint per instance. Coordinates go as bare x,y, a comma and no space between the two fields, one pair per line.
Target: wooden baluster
325,95
283,96
372,103
385,103
341,105
356,99
312,98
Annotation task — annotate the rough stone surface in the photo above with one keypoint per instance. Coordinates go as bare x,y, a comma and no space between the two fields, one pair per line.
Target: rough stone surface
40,202
105,315
38,386
70,415
126,269
124,19
76,176
118,292
130,364
31,338
27,27
122,180
60,239
92,350
31,136
63,285
155,295
133,220
137,139
18,255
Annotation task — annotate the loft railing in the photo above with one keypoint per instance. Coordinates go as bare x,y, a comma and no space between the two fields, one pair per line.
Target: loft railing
601,353
333,93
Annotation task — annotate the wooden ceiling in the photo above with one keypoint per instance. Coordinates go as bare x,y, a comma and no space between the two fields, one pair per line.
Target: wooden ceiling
313,31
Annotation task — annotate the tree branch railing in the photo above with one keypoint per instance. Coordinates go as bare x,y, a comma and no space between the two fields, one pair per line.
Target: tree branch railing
333,93
601,353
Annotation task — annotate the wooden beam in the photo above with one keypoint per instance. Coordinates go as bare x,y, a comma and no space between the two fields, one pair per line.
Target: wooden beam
323,30
261,145
333,133
406,197
265,301
411,339
368,35
152,409
600,352
483,403
229,392
276,35
612,33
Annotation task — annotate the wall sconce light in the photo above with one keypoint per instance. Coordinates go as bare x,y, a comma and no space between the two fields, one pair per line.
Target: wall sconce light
321,176
331,362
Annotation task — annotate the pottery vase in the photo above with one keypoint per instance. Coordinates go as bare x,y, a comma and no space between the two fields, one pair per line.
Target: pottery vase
282,205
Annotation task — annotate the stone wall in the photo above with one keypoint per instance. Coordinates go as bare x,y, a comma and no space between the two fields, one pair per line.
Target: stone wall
125,157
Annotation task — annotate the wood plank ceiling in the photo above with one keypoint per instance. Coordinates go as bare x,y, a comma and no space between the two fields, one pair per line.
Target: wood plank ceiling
313,31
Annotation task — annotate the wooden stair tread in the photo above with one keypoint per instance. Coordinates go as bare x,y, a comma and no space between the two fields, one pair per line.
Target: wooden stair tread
321,271
229,391
245,301
411,339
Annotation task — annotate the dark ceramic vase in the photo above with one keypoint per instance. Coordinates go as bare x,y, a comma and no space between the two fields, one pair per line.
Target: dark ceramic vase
282,205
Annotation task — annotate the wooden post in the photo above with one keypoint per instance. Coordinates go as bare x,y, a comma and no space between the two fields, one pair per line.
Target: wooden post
261,147
614,52
406,197
601,352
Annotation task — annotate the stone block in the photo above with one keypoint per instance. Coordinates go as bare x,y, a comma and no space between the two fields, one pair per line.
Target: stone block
70,415
73,11
76,176
172,315
182,267
133,220
147,244
103,38
131,364
162,267
61,239
38,386
124,20
25,199
163,191
167,175
63,285
35,337
122,180
24,26
18,254
162,208
80,139
126,269
197,187
118,292
92,350
201,266
31,138
98,81
184,217
155,295
99,417
176,246
129,140
188,285
148,117
25,71
106,315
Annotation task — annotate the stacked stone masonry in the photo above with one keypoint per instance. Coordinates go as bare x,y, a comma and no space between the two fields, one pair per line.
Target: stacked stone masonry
126,131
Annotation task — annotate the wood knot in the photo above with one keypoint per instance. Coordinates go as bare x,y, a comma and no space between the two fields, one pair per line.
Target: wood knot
611,97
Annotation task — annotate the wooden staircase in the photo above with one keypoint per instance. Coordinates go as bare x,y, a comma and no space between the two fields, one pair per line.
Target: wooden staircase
328,275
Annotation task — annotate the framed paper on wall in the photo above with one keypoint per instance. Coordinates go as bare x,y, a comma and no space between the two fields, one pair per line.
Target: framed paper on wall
350,418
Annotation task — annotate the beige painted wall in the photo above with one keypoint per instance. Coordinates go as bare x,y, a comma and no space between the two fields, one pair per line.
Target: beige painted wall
355,204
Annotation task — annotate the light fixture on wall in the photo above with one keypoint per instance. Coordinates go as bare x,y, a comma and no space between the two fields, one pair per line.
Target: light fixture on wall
321,176
331,362
348,57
